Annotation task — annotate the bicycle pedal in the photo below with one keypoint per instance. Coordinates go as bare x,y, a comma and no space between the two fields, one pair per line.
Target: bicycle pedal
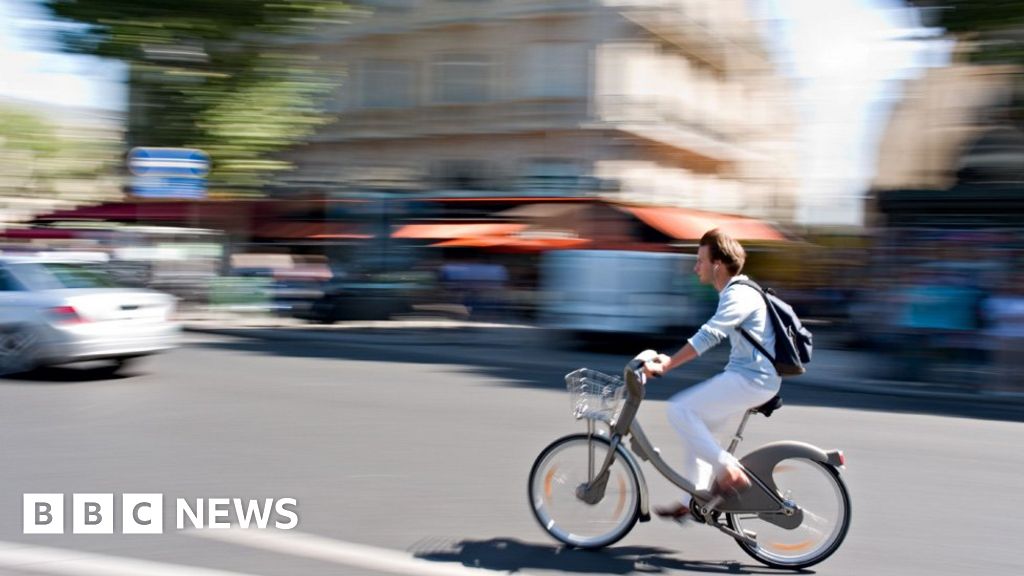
750,534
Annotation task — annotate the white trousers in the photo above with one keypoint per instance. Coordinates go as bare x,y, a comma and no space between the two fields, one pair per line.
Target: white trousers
698,412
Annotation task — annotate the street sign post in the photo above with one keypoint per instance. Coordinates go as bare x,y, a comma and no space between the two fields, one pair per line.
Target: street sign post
168,172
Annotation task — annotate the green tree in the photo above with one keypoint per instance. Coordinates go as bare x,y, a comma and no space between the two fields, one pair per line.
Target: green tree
230,76
27,145
995,26
24,132
37,156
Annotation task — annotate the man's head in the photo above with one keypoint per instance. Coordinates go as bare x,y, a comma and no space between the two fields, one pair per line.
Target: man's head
718,256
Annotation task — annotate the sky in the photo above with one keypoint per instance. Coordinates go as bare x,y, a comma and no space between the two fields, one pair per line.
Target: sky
845,59
31,68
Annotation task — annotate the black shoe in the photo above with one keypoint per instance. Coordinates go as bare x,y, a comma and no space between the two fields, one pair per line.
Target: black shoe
677,512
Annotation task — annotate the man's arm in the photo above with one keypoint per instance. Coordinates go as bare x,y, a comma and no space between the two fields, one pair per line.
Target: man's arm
664,363
734,307
685,354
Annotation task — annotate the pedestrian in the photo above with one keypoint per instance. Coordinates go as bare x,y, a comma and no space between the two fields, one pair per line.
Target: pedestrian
1004,315
748,380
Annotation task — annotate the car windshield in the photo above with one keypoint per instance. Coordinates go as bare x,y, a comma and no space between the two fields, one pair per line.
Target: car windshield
58,276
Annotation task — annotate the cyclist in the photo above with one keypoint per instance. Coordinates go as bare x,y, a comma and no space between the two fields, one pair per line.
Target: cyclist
749,379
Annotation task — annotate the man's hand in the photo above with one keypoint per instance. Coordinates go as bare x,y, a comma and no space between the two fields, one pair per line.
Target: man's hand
657,366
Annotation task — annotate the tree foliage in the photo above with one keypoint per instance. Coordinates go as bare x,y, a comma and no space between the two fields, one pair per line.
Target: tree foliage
24,132
977,15
996,25
233,77
40,153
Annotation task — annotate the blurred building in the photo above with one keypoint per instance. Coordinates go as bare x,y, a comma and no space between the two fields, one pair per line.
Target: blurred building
670,102
952,155
942,113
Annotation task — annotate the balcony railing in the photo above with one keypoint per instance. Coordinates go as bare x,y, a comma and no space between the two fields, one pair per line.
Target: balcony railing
657,120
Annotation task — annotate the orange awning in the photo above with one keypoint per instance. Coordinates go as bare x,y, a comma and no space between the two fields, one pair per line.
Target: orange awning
459,231
689,224
513,243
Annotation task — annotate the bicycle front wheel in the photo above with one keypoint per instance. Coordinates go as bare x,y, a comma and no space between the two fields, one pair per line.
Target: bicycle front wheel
824,504
564,466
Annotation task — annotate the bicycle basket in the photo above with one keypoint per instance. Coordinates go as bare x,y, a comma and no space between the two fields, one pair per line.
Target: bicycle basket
594,395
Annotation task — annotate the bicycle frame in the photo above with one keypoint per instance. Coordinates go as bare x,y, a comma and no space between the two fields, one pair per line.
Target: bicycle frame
763,499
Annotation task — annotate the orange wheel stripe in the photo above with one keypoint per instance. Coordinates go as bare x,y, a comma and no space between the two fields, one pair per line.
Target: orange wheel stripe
793,547
547,482
622,498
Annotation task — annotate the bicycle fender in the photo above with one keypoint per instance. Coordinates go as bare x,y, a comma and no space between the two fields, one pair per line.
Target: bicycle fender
764,458
761,462
645,500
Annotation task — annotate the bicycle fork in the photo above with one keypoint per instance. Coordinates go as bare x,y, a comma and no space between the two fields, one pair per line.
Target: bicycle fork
592,491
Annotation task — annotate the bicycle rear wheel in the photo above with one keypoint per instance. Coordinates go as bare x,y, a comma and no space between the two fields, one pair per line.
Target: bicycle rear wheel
824,504
564,466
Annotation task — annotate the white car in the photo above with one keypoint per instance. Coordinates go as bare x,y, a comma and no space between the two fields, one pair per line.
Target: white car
56,311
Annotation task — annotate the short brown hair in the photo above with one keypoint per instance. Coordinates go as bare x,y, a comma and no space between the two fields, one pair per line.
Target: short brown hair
725,249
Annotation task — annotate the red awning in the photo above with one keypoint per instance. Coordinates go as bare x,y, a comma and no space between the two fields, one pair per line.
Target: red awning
41,233
451,231
124,212
184,212
689,224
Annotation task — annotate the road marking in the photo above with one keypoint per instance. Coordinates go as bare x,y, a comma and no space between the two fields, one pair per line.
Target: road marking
28,558
341,552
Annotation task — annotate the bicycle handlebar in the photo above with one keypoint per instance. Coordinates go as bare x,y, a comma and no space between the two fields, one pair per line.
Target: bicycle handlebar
633,374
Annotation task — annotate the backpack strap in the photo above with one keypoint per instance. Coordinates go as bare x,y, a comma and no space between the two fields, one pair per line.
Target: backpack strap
746,334
752,284
757,345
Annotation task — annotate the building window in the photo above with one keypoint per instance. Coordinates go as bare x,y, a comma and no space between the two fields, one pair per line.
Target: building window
462,78
557,70
387,84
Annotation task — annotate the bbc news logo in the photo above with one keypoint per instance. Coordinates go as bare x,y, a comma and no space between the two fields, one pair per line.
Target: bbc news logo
144,513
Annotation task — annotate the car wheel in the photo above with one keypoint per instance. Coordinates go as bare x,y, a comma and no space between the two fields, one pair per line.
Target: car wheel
19,348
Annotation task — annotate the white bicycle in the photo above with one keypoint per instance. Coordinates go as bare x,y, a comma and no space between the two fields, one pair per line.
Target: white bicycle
588,491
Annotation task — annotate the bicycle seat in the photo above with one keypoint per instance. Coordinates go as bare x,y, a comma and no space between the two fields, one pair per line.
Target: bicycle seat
770,406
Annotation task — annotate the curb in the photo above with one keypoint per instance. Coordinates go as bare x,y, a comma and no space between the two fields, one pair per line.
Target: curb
907,390
446,335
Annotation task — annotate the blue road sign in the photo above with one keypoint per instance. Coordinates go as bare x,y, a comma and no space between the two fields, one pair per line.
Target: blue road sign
168,172
168,187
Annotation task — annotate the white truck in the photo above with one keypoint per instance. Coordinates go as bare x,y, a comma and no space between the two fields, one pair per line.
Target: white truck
620,291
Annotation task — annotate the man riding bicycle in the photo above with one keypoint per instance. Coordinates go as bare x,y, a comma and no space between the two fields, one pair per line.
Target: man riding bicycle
749,378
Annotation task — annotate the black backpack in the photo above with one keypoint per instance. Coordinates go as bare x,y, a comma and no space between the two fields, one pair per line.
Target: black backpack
793,342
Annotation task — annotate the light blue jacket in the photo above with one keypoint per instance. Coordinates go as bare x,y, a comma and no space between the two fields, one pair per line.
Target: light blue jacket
741,307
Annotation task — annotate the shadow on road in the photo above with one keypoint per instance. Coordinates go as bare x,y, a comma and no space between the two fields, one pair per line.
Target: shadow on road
66,375
543,363
510,555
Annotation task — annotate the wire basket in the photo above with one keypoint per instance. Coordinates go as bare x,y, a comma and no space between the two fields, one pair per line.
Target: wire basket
594,395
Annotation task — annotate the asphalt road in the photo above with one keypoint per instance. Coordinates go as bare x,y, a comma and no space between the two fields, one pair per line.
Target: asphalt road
413,460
